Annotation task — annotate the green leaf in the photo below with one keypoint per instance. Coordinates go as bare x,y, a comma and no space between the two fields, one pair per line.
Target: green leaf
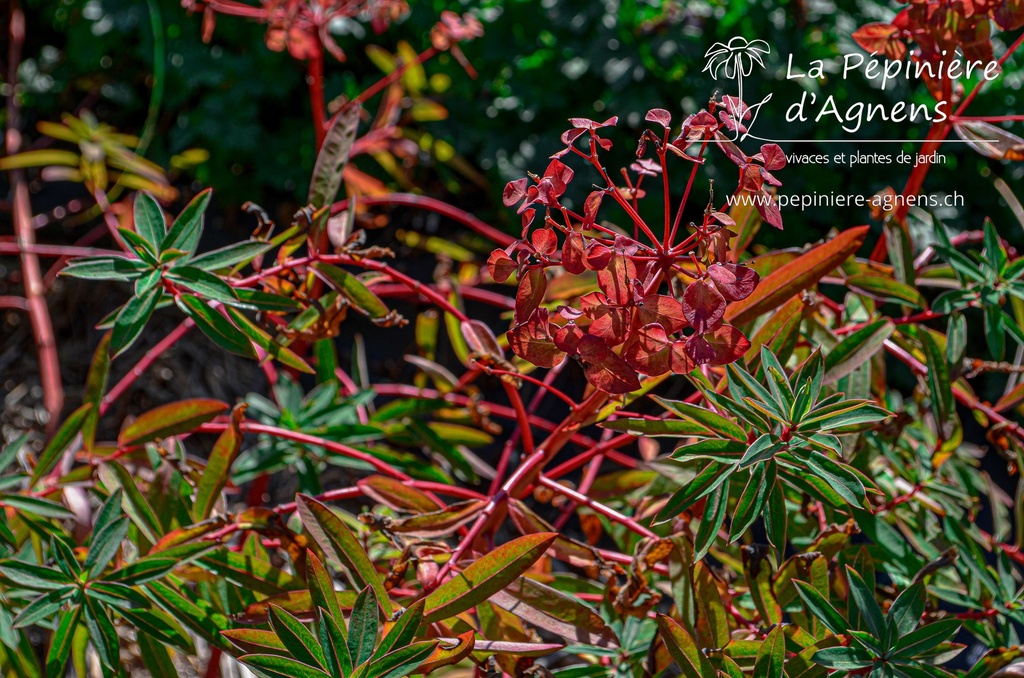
926,638
60,643
149,220
171,419
54,450
283,354
490,573
683,648
995,333
362,627
142,248
714,514
199,615
712,421
281,667
403,632
333,156
29,575
106,268
939,382
207,285
218,466
885,289
37,506
252,573
341,545
843,658
771,655
762,449
45,606
132,319
905,613
402,661
837,475
856,349
321,586
186,230
103,634
160,626
863,598
225,257
143,570
709,478
104,547
820,608
334,640
353,289
299,640
653,428
215,326
135,504
751,502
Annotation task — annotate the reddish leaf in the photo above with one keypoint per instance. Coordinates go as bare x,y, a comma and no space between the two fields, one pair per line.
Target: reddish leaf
514,192
590,207
650,351
734,281
664,310
773,157
604,369
500,265
660,116
597,256
728,344
567,338
797,275
768,208
218,466
611,323
883,39
617,280
532,342
572,253
481,340
169,420
545,241
703,306
530,294
681,362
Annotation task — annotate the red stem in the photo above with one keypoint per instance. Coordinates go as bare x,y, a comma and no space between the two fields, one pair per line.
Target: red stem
39,314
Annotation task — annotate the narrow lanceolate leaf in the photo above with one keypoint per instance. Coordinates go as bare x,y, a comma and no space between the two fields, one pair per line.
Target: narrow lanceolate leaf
856,349
149,220
771,655
885,289
218,466
59,443
321,586
820,608
32,576
714,514
362,628
353,289
132,319
299,640
926,638
402,661
490,573
198,615
796,276
95,386
106,268
281,667
60,644
551,610
683,648
104,546
225,257
939,382
341,545
205,284
282,354
171,419
215,326
330,163
252,573
188,227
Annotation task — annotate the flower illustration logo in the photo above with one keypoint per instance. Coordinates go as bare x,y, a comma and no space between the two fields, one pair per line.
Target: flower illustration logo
735,60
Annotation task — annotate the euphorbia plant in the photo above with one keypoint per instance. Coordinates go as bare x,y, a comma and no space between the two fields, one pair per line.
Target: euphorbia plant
740,486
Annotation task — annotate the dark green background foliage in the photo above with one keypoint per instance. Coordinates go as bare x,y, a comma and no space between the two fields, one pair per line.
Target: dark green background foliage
539,64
